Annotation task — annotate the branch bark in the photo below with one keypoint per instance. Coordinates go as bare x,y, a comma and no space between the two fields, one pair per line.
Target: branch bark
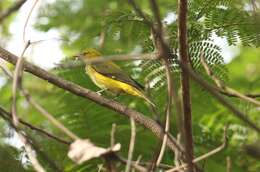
83,92
187,118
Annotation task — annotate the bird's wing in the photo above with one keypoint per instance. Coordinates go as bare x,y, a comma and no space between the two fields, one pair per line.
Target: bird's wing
113,71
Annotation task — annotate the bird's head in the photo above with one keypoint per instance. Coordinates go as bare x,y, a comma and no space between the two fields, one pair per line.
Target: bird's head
90,53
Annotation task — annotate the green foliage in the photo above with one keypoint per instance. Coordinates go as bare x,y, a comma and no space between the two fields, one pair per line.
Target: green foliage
4,27
9,158
83,23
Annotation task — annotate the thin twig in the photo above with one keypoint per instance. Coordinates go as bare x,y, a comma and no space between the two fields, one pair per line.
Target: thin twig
205,156
229,165
51,163
159,29
133,164
185,85
254,6
131,145
223,87
29,151
32,127
79,63
177,159
83,92
27,145
137,161
16,82
112,135
165,138
49,116
5,69
10,76
246,94
214,91
28,18
11,10
141,14
102,37
147,56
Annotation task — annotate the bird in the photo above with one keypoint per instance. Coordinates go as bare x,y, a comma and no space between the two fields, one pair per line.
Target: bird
110,77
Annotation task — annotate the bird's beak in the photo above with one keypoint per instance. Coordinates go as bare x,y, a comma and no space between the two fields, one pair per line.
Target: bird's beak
78,56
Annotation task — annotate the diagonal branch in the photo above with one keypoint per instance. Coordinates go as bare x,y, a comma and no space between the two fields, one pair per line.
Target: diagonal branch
223,87
8,116
83,92
214,91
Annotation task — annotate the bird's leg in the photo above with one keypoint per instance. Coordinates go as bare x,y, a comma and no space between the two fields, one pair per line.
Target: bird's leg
101,91
116,95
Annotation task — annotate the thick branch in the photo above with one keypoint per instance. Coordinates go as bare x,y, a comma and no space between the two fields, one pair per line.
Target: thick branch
187,119
83,92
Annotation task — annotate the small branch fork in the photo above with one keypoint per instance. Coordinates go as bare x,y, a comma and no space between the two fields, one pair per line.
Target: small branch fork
223,88
8,116
215,92
207,155
15,122
165,54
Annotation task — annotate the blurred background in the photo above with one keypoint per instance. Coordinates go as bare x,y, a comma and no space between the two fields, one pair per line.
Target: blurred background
228,31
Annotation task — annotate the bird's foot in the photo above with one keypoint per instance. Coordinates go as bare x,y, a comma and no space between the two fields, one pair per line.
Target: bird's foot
101,91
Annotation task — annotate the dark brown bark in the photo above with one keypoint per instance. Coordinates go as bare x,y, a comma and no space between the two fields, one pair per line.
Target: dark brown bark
185,85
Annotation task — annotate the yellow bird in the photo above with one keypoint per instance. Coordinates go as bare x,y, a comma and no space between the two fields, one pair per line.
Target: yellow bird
109,76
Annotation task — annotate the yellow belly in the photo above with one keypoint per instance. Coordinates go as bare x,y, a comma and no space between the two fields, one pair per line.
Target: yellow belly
111,84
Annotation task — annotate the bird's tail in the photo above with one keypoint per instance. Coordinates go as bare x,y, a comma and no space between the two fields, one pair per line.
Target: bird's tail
148,100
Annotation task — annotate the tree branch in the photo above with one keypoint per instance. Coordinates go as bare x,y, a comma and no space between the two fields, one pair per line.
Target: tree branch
83,92
131,146
185,85
16,82
26,144
32,127
205,156
223,87
214,91
156,34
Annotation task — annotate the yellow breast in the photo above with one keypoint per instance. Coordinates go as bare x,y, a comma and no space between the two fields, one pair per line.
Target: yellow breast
111,84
